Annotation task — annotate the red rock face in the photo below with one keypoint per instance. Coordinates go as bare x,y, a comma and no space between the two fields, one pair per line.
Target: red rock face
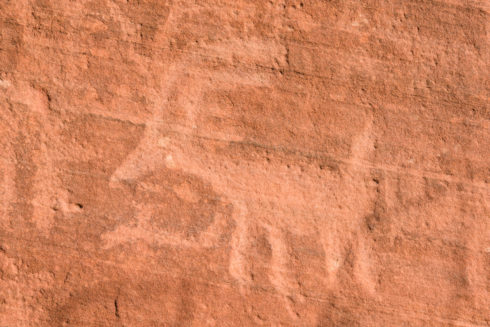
244,163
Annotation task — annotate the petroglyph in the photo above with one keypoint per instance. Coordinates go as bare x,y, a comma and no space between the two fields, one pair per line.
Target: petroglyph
30,156
244,163
174,144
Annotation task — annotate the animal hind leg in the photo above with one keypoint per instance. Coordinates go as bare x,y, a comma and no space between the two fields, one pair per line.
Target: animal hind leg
280,272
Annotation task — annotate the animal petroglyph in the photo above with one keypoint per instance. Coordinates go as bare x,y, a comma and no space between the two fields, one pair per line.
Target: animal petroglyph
186,114
172,141
244,163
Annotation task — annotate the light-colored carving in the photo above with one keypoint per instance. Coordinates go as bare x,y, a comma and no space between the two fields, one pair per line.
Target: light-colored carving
172,147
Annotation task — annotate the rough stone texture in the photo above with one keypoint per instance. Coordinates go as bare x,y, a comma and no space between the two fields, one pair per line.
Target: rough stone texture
244,163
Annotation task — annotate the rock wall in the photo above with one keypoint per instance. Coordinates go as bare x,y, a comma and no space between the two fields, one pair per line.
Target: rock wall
244,163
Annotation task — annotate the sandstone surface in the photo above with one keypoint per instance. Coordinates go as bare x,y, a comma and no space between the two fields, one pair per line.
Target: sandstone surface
244,163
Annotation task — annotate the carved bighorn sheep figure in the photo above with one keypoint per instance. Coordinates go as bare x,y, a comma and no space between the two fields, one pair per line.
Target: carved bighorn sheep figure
169,142
186,82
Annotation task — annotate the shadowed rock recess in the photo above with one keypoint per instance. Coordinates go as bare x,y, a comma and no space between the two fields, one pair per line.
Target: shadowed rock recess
244,163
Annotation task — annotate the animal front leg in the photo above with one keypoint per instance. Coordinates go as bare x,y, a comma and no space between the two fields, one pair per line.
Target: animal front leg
362,270
331,248
237,265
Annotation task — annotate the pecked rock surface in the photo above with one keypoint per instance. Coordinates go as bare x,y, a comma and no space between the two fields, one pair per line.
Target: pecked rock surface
244,163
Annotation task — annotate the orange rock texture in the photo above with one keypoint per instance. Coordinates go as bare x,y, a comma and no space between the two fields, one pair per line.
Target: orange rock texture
244,163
